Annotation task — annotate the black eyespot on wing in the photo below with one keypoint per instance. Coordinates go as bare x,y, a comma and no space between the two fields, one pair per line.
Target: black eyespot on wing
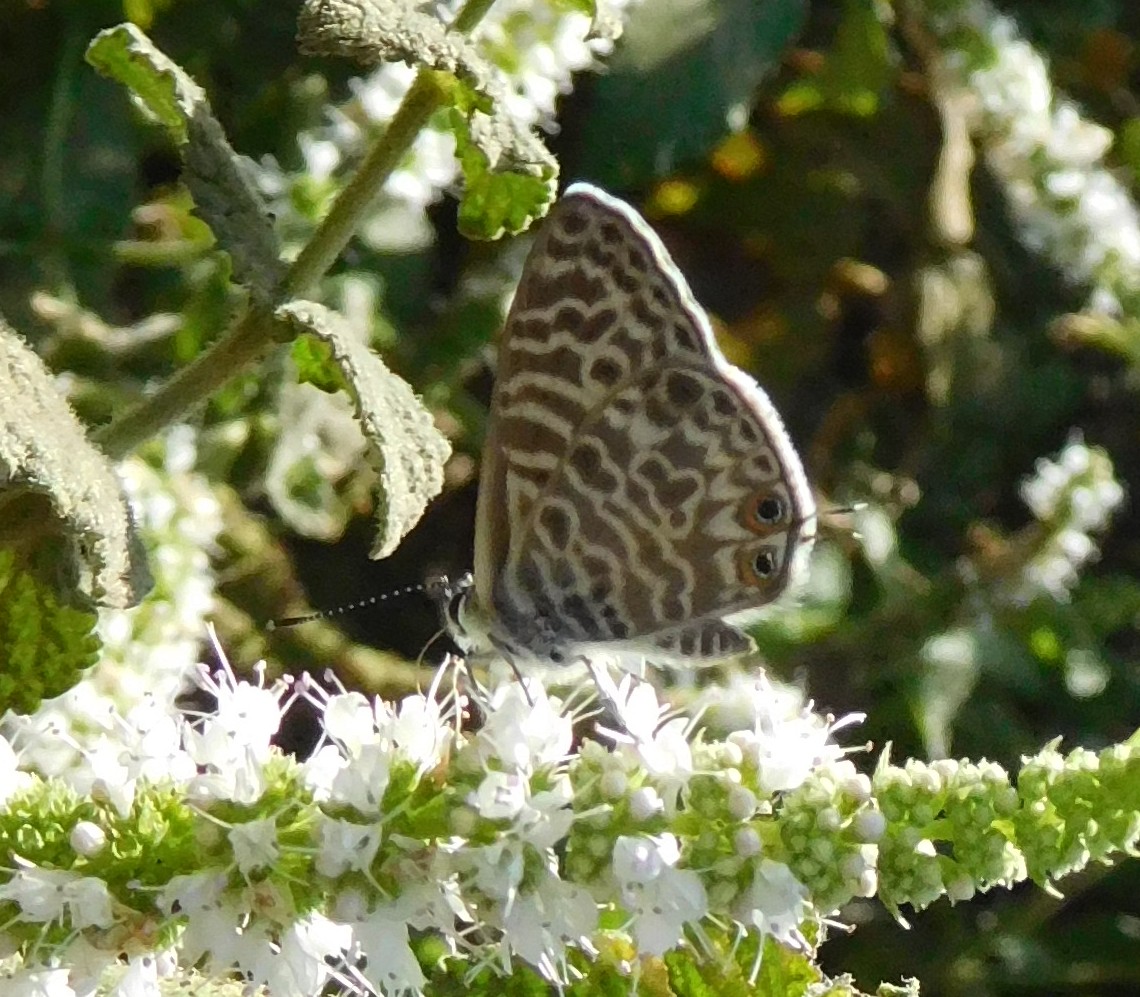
764,564
769,510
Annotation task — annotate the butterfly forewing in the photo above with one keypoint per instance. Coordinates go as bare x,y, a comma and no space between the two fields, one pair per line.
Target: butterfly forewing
635,486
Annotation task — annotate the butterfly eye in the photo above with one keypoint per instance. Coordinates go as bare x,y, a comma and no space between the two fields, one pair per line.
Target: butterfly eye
769,510
764,565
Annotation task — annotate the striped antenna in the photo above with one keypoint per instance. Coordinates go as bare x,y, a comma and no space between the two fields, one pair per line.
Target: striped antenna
348,607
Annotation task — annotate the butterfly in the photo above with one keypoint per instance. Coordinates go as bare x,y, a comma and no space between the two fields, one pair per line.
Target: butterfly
639,495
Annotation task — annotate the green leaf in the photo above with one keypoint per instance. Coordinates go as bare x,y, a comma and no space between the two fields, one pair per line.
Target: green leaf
784,971
45,452
125,54
369,34
681,69
510,178
495,202
315,364
404,446
44,645
220,181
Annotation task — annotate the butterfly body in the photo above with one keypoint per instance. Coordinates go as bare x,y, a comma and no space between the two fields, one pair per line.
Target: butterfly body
636,488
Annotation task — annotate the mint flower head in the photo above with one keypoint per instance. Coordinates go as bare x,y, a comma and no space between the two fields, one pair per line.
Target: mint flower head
1073,497
414,842
1047,157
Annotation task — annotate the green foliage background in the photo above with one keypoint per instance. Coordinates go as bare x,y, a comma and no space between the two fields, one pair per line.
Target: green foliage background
809,235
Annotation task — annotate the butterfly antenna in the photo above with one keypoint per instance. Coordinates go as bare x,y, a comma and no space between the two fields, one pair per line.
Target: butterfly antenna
348,607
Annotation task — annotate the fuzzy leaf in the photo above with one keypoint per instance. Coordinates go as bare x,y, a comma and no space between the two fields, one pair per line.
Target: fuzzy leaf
510,175
220,181
44,450
404,446
369,33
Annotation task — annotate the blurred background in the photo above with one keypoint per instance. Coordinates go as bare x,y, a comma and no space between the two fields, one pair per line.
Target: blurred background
913,223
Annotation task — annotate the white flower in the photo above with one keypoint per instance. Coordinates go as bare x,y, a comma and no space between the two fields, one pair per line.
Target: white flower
193,891
254,844
498,870
658,745
140,979
869,825
362,780
645,803
542,922
787,740
524,734
660,898
88,903
213,921
346,846
12,778
245,713
421,731
501,795
348,718
1072,496
302,962
322,156
217,930
47,895
776,903
382,939
232,744
95,749
39,893
367,739
1069,206
746,842
151,650
39,982
87,838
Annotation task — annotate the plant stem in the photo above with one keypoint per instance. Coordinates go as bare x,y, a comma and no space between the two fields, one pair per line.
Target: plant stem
252,336
245,342
423,99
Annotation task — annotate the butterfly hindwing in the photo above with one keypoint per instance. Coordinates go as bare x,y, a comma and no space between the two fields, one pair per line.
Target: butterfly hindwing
634,482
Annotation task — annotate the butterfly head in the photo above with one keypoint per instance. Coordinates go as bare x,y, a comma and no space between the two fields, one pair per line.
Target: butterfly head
454,600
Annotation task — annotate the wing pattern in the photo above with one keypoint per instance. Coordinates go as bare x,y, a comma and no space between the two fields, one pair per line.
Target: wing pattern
636,487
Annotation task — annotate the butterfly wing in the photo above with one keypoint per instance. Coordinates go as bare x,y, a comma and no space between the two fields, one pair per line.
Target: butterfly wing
636,487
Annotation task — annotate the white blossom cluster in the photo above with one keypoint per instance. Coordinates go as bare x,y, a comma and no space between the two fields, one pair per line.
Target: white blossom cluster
1073,497
202,846
1049,159
470,834
536,46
